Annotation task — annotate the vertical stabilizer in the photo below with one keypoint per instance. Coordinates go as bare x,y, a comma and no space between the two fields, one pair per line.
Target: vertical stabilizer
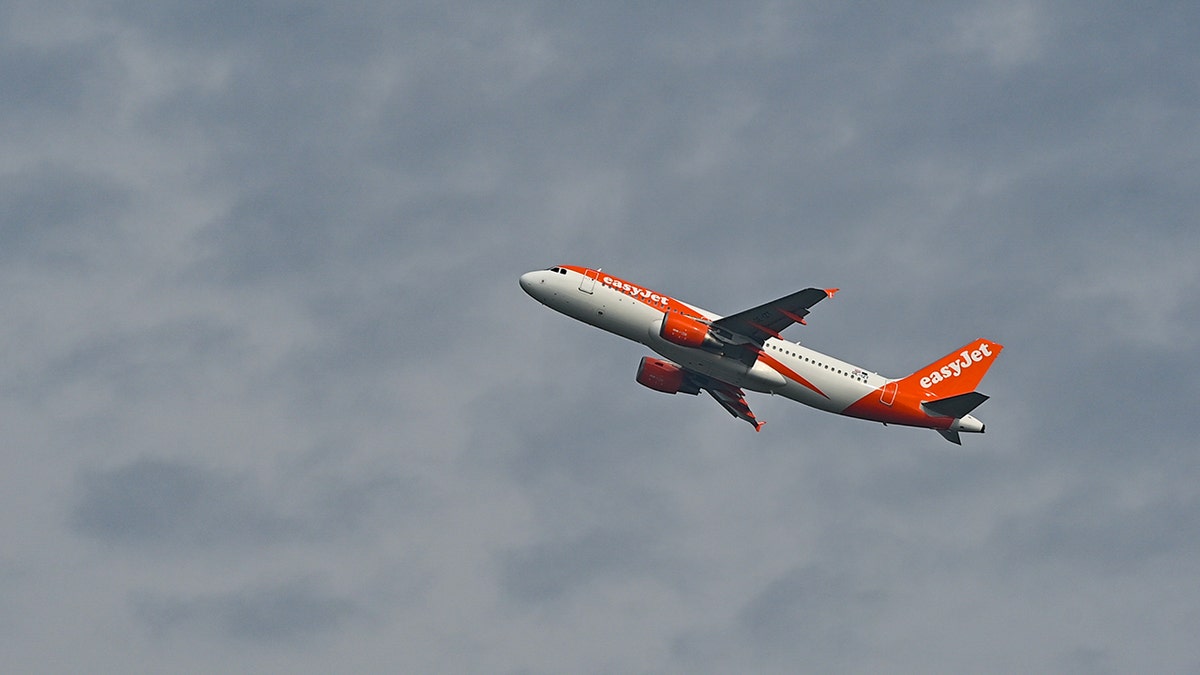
954,374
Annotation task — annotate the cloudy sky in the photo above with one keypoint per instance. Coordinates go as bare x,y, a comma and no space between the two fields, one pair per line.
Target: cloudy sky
272,400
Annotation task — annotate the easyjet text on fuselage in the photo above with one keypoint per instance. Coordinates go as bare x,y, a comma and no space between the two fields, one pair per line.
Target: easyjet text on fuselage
634,291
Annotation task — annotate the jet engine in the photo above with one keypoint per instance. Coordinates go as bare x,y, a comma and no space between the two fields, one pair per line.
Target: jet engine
687,332
665,376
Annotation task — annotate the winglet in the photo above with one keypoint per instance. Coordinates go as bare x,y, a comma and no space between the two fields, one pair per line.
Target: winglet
758,426
830,291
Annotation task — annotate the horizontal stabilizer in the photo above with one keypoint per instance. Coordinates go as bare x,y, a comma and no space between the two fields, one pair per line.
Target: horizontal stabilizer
951,436
955,406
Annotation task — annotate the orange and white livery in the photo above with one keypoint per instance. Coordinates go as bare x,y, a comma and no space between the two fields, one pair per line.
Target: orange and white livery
726,355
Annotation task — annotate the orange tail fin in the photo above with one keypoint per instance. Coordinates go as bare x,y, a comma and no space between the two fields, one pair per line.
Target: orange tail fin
958,372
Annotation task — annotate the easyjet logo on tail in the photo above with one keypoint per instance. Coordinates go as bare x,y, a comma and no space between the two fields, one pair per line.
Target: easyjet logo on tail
963,361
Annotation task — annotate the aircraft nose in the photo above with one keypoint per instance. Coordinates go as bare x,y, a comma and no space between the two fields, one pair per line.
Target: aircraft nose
528,281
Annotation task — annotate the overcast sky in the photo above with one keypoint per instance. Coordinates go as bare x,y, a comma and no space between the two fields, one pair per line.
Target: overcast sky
273,401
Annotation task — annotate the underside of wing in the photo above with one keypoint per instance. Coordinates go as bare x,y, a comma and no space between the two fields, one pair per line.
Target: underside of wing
732,399
671,378
769,320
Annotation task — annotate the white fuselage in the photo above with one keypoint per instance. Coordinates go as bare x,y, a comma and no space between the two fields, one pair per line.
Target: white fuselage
835,384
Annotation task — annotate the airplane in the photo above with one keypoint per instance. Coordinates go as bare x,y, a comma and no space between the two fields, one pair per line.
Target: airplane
724,355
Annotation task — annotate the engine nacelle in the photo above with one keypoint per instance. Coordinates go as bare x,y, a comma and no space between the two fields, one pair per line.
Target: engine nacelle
687,332
662,375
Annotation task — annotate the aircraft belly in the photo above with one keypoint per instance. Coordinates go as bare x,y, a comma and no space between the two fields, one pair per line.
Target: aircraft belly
758,377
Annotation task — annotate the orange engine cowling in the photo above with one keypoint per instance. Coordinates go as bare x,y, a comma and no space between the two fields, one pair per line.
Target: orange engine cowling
686,331
662,375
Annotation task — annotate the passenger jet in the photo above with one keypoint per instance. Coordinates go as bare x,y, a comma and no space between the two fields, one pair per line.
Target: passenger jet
725,355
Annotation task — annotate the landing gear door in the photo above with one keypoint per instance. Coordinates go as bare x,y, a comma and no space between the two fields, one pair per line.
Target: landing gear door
588,283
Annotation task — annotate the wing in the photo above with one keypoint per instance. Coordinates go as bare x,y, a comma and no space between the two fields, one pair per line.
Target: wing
769,320
734,400
730,397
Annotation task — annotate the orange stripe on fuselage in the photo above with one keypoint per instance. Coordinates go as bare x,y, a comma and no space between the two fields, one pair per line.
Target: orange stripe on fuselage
904,410
787,372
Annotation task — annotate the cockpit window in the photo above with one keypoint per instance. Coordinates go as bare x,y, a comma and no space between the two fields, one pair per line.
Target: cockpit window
553,269
561,271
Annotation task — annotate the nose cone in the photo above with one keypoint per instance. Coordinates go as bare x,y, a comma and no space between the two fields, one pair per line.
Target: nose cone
537,284
528,281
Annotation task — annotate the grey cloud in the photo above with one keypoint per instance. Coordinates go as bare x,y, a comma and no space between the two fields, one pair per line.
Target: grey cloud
170,503
50,81
262,25
283,231
810,617
139,364
546,571
164,502
1086,661
812,607
289,612
1087,528
1126,427
49,212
